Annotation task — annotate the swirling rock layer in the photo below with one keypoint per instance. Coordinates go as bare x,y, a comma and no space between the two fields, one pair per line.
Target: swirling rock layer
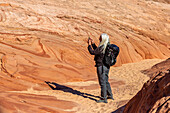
42,38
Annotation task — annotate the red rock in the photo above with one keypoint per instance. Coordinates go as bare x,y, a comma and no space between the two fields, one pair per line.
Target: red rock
154,96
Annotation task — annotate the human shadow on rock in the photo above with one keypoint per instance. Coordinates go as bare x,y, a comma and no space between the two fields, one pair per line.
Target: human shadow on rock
56,86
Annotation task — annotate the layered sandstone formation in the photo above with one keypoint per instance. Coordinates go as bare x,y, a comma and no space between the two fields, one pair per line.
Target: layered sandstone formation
46,40
154,97
41,38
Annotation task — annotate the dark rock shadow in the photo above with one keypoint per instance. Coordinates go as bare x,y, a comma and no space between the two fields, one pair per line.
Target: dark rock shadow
119,110
56,86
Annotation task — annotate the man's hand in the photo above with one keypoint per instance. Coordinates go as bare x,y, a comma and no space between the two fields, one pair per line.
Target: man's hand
89,39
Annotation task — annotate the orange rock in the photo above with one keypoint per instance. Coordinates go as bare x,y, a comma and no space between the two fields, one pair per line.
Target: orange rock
33,103
51,39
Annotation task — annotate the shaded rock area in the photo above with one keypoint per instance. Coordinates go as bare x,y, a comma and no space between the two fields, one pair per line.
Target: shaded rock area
154,97
160,67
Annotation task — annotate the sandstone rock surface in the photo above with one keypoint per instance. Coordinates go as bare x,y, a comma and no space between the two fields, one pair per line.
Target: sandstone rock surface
48,37
154,97
45,40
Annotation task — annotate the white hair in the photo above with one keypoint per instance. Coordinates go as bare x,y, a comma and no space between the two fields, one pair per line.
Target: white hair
104,42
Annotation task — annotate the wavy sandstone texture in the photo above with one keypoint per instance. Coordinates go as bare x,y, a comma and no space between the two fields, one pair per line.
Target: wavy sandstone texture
45,40
154,97
41,38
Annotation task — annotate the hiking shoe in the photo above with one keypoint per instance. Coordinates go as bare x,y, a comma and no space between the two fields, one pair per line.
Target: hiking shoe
99,101
110,98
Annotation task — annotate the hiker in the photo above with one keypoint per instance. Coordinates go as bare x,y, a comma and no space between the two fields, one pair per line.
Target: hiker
102,69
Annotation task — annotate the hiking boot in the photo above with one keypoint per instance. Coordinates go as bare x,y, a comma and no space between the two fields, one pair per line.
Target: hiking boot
102,100
110,98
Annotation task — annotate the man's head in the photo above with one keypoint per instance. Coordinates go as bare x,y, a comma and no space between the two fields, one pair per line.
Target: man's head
104,37
104,40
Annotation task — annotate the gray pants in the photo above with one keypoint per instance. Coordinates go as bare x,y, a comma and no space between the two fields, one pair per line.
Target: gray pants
103,72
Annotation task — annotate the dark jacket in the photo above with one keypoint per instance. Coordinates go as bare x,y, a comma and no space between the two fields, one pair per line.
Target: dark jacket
97,51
